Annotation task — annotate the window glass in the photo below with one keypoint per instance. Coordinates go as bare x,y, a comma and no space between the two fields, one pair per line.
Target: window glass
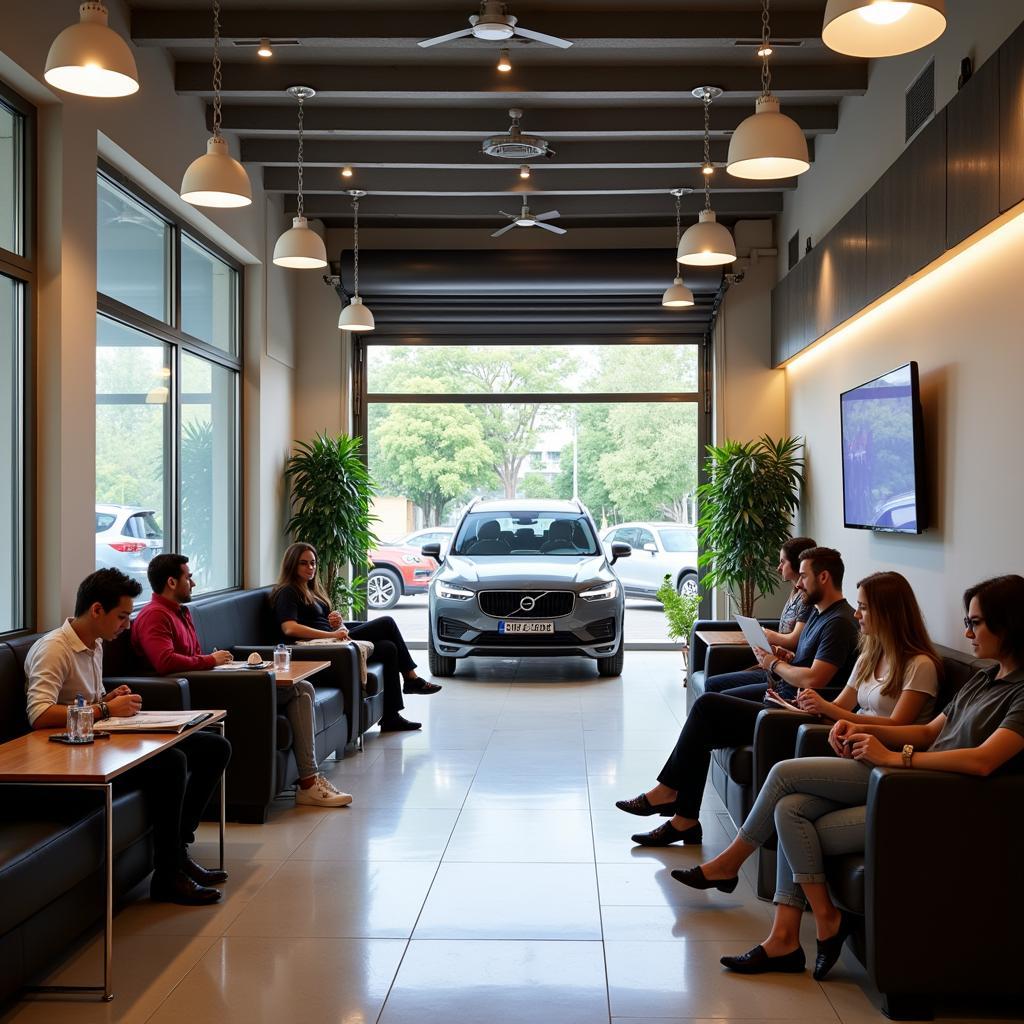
644,537
11,445
209,297
11,180
133,391
525,532
209,520
104,521
678,540
132,252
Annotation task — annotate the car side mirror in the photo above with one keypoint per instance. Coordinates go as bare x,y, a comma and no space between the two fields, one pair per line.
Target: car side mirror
652,547
620,550
431,551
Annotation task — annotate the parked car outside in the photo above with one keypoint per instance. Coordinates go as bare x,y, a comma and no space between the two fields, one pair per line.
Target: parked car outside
127,538
400,568
659,550
526,578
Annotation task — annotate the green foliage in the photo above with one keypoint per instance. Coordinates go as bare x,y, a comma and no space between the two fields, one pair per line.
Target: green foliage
681,610
747,507
330,509
536,485
197,494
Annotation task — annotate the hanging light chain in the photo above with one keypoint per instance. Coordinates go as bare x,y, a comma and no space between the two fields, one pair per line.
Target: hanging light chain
355,241
766,49
301,203
216,69
707,148
679,215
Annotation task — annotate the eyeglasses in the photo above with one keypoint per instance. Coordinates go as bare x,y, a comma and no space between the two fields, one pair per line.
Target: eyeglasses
972,624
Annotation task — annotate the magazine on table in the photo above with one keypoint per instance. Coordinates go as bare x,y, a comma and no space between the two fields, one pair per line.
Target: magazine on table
154,721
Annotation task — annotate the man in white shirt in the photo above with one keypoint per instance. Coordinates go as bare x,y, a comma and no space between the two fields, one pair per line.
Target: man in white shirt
178,783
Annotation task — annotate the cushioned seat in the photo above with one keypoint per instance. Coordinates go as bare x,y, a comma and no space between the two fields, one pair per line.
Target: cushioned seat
328,708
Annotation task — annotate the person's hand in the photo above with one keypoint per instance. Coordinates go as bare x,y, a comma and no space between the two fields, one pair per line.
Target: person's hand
765,658
124,705
341,633
335,620
222,657
783,653
811,701
867,748
837,737
117,691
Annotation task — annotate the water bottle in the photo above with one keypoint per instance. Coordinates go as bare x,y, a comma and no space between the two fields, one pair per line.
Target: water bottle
282,658
79,723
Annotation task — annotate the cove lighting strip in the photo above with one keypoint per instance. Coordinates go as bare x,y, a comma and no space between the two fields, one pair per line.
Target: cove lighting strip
1005,232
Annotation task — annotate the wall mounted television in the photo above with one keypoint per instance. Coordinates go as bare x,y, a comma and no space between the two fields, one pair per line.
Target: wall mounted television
883,454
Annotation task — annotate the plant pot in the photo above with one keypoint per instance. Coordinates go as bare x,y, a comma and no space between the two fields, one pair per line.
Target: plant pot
684,650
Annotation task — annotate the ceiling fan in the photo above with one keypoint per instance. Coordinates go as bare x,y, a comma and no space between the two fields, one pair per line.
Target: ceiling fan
495,24
525,219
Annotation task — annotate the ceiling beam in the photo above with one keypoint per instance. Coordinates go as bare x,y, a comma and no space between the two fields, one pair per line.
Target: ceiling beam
324,27
533,82
470,123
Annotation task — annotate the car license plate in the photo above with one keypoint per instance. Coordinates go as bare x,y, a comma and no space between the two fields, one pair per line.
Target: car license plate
508,628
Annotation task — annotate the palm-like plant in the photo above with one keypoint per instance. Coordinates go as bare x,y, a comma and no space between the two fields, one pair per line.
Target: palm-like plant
747,508
331,491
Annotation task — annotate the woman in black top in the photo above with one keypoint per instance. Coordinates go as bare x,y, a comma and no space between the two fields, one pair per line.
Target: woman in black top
304,613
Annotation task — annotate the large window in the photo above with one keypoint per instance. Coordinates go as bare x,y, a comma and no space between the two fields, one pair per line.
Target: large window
17,277
167,394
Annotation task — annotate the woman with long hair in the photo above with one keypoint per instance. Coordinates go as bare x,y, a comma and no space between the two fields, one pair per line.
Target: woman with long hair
303,610
817,805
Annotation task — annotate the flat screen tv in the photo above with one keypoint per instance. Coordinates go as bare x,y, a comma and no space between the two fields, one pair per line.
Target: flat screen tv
883,464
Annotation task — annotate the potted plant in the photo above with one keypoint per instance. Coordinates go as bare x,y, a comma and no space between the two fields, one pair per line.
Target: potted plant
331,492
747,507
681,611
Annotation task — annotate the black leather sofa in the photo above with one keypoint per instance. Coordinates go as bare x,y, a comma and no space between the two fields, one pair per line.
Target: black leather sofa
51,842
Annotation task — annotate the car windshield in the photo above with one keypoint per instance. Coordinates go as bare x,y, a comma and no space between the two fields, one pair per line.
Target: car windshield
527,534
678,540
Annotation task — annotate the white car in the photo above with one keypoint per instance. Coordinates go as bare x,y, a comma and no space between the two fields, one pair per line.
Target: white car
659,549
127,538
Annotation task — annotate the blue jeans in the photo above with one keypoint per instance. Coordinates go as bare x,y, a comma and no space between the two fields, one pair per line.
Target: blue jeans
817,806
748,685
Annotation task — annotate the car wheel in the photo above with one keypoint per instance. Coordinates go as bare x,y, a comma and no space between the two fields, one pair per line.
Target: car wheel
383,589
687,585
612,666
438,663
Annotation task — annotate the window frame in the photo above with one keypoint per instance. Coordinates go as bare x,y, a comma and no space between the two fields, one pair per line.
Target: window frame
21,268
179,343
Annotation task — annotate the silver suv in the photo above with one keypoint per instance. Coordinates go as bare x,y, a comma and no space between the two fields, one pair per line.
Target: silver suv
526,578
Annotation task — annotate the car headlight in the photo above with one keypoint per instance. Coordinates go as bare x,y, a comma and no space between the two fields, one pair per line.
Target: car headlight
412,559
605,592
450,593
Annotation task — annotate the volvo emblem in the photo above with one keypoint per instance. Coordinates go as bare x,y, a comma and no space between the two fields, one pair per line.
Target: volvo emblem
527,603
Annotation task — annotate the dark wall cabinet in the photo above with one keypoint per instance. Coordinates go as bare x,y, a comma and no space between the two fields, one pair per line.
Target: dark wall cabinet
963,169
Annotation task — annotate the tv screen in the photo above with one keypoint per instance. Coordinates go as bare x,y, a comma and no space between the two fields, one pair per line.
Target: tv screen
883,485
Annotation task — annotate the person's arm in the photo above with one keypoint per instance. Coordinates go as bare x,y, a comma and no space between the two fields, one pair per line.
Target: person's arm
842,707
1002,745
787,640
895,736
294,630
815,676
121,703
906,711
46,673
154,635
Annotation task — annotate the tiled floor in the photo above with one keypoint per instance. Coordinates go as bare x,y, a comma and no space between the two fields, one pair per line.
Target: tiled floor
482,876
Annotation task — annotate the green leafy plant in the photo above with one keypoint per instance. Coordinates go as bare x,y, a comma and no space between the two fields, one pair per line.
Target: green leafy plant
197,496
681,610
331,492
747,508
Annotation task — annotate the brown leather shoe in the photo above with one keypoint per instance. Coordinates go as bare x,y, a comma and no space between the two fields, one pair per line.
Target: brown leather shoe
179,888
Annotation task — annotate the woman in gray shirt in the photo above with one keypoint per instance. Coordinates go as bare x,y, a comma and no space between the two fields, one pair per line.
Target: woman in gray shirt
817,804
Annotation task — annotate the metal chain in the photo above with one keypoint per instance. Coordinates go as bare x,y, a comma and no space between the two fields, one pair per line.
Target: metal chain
355,241
216,69
707,148
679,232
301,204
766,73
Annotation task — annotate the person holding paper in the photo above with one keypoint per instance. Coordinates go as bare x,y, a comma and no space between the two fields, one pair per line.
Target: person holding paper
179,782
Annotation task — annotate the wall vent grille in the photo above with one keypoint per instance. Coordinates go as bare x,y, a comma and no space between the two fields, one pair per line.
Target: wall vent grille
794,250
920,100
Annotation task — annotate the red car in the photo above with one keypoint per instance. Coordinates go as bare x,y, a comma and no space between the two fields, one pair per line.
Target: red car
400,568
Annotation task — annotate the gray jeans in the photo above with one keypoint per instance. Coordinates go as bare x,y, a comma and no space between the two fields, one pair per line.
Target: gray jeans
297,701
817,806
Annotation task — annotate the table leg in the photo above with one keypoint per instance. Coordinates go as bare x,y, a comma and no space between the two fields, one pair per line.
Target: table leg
223,806
108,919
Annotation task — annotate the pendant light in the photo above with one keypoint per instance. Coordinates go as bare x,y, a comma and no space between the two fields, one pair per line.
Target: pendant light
767,145
706,243
355,316
216,178
90,58
882,28
300,248
677,295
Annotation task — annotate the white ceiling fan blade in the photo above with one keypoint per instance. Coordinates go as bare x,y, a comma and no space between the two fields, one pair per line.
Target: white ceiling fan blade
511,216
549,227
501,231
446,39
562,44
550,215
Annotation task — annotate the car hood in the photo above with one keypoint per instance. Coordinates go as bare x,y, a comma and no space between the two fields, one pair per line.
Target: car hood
493,570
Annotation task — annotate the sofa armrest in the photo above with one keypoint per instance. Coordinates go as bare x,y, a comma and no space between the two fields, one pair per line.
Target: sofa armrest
775,740
159,693
812,740
699,649
927,834
724,658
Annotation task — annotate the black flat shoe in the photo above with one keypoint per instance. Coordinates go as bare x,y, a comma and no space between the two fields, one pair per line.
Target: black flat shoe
204,876
829,949
179,888
757,961
398,724
644,808
421,686
695,879
666,835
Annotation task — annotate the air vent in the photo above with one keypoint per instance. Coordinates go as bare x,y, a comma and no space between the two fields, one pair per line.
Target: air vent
794,250
920,100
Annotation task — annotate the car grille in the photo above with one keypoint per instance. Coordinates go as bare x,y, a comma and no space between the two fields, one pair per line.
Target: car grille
452,629
463,632
549,604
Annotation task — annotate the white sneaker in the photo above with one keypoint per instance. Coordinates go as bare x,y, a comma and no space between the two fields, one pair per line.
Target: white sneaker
322,793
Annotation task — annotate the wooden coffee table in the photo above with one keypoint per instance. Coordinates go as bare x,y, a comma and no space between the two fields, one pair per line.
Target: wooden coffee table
721,637
300,670
33,760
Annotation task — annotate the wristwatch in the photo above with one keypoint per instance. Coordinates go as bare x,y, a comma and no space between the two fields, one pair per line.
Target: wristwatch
104,709
908,753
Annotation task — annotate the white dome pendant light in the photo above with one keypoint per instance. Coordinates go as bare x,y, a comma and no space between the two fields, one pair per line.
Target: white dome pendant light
216,178
355,316
706,243
300,247
882,28
767,145
90,58
677,295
